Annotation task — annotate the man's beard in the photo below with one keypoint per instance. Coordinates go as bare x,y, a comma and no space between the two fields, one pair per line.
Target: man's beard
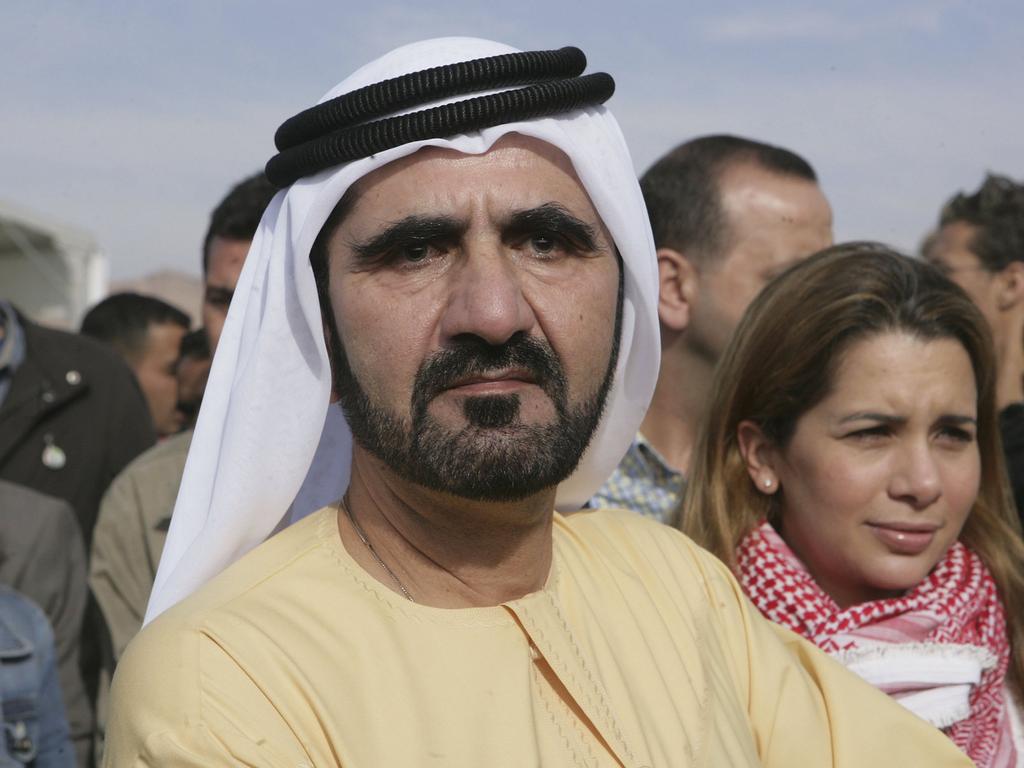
494,457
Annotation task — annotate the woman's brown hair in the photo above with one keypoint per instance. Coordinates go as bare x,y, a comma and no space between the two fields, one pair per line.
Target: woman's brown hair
780,363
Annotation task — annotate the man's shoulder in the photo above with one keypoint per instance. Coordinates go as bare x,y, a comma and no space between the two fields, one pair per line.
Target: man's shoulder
146,488
190,681
615,524
167,457
641,544
93,385
23,620
66,349
16,499
257,580
200,642
32,523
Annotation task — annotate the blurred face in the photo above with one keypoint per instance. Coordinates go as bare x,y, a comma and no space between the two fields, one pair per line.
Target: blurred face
475,297
879,477
225,265
950,252
192,374
155,371
772,222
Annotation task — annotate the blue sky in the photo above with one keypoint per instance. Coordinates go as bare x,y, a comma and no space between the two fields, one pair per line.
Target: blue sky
131,119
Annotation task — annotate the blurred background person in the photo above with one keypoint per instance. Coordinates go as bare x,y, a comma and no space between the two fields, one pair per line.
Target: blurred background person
136,511
727,214
849,472
147,333
42,558
35,728
71,414
71,417
232,227
979,245
192,370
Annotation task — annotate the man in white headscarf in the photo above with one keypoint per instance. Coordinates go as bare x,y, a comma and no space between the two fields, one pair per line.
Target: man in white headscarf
461,258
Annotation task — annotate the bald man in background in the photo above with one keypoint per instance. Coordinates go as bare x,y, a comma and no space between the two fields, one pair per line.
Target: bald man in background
728,214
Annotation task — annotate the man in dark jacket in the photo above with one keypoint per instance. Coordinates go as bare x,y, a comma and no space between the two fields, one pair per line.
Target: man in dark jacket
71,417
71,414
146,332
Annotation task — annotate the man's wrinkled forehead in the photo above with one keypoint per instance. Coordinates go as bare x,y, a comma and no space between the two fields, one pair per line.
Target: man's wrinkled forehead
434,177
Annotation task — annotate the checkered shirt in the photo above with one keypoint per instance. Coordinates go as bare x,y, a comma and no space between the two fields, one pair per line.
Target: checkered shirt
644,483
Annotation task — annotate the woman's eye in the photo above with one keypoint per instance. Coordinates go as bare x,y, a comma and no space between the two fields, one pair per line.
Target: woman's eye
956,434
870,433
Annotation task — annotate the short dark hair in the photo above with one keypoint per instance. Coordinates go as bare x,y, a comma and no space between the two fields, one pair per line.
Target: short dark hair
681,189
122,320
195,344
997,210
238,215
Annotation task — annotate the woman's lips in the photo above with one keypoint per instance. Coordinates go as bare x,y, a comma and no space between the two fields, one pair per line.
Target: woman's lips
904,540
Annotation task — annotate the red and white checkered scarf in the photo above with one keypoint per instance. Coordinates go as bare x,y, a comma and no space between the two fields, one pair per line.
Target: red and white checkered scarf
957,603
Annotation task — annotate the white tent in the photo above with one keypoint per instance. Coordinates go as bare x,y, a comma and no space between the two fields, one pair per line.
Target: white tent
51,271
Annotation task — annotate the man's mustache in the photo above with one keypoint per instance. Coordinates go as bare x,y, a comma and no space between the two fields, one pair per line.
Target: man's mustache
473,356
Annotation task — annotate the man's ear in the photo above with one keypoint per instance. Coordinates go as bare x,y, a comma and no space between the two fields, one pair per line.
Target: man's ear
760,456
677,289
1011,286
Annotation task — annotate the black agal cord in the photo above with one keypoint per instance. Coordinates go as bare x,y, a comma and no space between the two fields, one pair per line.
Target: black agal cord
353,125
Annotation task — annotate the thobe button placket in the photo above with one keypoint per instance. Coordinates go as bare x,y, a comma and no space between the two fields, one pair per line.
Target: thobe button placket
551,642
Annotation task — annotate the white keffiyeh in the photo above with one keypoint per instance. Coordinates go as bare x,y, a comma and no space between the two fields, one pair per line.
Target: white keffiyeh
268,447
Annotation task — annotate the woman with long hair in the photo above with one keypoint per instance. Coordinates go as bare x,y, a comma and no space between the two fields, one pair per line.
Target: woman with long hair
850,472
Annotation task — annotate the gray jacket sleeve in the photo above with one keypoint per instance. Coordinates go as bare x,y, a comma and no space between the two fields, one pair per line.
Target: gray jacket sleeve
53,574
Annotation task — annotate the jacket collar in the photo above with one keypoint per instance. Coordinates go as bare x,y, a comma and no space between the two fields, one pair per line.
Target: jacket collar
13,644
44,382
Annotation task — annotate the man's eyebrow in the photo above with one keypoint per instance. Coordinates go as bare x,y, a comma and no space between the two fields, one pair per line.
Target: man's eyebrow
412,230
553,218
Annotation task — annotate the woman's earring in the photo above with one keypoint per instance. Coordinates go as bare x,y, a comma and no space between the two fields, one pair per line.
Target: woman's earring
768,483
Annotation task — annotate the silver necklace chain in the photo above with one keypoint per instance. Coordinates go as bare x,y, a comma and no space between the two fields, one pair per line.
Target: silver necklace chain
362,537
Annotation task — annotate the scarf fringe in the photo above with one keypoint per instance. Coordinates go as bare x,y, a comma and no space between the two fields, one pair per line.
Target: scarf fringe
939,651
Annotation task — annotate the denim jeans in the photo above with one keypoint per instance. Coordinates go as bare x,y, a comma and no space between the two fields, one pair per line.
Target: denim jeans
35,730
